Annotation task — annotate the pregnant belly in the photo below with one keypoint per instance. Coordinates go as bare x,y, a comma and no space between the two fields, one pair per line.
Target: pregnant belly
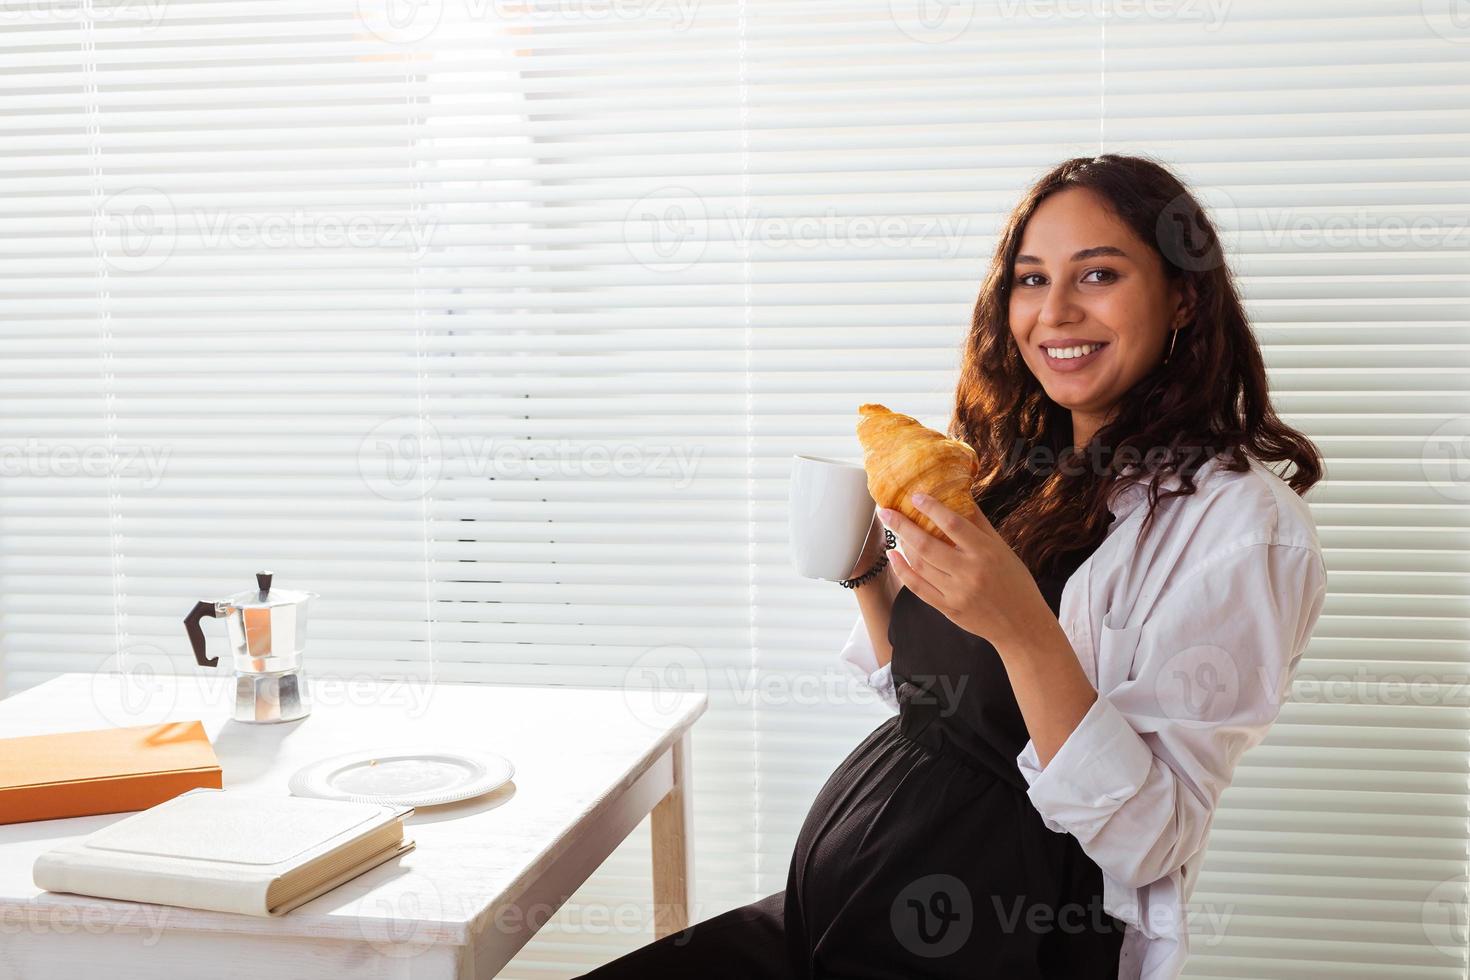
886,799
903,839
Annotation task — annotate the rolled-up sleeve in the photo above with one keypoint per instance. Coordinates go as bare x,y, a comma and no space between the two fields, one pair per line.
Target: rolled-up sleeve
1138,780
858,652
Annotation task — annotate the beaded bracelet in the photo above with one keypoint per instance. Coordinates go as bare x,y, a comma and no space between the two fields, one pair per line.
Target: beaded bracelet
889,541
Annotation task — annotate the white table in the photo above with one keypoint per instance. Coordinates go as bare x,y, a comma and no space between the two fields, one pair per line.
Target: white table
486,873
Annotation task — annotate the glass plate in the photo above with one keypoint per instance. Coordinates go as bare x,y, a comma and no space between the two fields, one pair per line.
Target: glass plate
408,777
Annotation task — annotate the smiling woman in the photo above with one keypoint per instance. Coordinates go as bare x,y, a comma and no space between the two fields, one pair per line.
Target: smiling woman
1033,809
1109,335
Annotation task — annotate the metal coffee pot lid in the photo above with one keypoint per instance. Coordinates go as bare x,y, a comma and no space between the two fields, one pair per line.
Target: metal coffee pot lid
263,596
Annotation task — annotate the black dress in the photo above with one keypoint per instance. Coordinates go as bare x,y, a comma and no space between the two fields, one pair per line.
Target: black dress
922,856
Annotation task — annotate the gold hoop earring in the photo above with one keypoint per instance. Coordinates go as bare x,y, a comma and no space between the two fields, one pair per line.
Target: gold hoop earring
1173,336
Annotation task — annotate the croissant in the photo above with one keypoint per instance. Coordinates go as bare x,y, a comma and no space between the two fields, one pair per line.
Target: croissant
903,456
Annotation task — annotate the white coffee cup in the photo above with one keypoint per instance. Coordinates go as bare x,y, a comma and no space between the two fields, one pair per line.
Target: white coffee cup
829,517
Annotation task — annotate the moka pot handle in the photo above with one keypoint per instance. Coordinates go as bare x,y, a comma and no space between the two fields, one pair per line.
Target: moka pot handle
196,633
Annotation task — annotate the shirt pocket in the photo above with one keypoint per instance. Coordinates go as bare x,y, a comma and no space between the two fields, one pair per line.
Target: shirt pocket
1116,648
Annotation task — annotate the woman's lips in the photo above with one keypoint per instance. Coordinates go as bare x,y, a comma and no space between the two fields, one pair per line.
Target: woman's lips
1074,363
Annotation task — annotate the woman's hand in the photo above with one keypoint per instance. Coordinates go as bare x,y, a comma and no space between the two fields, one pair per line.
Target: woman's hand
978,582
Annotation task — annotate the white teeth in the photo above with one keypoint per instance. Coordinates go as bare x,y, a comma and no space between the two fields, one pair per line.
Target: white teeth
1067,353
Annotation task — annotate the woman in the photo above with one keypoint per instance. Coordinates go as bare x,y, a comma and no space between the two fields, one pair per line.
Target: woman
1078,674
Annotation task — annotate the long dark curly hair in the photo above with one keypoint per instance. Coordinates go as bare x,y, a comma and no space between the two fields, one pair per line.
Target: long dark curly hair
1210,398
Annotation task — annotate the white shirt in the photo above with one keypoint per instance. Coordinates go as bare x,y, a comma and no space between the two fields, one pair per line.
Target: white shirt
1191,638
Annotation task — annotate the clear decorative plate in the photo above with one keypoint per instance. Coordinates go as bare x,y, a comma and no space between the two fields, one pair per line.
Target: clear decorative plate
408,777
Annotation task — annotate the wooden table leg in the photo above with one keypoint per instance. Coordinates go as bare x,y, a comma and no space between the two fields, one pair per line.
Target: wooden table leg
673,853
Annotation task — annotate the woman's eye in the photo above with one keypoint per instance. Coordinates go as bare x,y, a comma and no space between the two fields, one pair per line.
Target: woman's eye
1022,279
1109,273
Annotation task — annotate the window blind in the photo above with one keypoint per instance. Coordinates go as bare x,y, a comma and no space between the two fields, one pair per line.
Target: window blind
497,325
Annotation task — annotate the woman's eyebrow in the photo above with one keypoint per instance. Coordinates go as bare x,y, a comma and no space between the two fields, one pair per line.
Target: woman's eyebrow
1086,253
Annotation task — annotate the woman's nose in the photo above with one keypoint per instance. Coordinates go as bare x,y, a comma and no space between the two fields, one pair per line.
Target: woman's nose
1059,306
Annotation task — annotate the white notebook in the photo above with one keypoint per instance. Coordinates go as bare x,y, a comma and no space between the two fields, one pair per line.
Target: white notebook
228,851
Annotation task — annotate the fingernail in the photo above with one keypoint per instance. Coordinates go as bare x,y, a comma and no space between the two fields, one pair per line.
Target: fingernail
886,515
920,498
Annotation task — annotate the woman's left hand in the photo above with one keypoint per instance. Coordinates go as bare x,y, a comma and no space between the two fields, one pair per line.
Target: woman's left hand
978,582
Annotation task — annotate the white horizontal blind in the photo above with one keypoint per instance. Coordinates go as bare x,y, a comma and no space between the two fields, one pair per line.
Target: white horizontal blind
497,324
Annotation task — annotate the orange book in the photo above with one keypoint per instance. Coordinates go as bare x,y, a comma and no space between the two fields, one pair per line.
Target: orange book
111,770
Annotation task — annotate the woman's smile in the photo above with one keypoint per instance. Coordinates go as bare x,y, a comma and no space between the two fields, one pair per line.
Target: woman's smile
1067,355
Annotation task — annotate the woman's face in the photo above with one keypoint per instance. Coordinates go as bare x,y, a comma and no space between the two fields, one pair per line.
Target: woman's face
1083,278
